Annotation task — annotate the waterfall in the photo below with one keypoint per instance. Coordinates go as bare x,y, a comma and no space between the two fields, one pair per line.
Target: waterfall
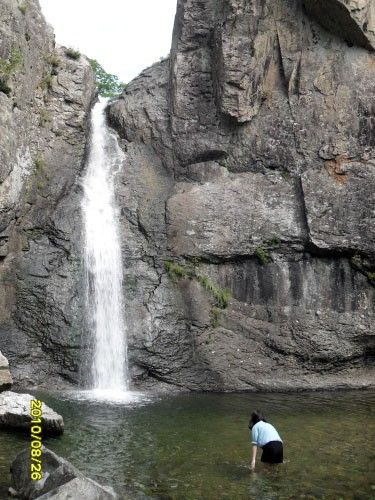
102,257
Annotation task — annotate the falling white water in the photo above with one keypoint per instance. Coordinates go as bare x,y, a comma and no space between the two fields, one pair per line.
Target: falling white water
103,259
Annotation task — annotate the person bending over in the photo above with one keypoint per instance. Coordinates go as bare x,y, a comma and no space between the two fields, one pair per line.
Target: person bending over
265,436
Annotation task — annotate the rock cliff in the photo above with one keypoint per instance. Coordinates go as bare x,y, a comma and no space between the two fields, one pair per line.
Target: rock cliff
251,167
46,93
247,198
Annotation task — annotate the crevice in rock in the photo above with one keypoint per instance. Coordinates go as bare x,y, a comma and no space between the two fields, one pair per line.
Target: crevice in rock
335,16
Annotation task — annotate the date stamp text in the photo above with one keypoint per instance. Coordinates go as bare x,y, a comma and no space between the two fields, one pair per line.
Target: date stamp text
36,412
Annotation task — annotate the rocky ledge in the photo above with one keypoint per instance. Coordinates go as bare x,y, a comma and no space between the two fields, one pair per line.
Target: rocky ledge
61,480
15,414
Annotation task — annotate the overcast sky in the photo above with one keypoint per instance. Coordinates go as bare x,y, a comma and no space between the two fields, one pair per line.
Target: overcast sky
125,36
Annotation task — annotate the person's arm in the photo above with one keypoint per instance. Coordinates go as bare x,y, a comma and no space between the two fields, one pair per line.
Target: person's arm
254,436
254,456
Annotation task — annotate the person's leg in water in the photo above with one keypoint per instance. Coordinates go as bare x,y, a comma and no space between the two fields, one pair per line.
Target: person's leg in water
273,453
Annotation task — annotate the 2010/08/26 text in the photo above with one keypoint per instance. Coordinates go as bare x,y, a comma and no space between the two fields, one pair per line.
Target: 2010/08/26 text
36,440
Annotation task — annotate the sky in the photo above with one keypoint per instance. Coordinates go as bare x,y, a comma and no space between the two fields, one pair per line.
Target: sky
124,36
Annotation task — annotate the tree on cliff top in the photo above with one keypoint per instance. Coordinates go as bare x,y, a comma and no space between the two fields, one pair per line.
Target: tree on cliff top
108,85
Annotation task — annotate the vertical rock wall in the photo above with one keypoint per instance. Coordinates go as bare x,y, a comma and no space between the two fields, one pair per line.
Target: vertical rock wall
250,166
45,99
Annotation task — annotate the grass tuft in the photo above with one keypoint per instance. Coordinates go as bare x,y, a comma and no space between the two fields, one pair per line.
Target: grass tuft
10,65
23,8
72,54
46,82
215,317
176,271
44,117
262,255
53,59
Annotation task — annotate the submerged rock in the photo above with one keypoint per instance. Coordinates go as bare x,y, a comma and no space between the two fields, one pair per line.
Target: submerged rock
5,376
15,413
61,480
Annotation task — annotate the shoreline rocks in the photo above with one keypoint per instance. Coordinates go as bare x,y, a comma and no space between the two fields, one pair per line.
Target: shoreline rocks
61,480
15,414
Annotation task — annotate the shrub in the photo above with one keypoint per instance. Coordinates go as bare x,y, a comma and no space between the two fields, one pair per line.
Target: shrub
262,255
72,54
371,275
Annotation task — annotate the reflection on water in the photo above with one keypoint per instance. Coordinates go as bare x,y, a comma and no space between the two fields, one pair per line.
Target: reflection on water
196,446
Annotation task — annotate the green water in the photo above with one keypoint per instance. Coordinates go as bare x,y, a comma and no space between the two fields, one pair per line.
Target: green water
196,446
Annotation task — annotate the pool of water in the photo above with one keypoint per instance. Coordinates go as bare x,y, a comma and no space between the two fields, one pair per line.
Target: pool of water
196,446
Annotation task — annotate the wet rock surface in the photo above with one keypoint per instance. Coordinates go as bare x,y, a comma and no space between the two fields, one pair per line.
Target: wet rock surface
44,104
61,480
250,160
15,414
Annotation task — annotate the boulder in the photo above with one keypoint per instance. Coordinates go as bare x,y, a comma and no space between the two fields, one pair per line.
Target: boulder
5,376
61,480
15,413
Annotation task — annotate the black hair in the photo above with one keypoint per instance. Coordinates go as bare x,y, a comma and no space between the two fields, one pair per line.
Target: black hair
256,417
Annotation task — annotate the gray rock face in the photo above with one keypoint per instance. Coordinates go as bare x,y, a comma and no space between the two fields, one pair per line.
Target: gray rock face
250,160
15,414
5,376
353,20
343,183
205,219
43,130
61,480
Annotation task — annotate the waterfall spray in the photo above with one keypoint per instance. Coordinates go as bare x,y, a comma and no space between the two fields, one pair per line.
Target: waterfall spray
102,255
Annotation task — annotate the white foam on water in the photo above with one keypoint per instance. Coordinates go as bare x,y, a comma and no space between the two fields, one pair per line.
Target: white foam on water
111,397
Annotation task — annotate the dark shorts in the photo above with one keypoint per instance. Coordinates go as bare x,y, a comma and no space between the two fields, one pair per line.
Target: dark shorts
273,453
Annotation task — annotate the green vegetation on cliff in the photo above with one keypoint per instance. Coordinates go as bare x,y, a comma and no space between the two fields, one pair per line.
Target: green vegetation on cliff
72,54
8,67
108,85
221,295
